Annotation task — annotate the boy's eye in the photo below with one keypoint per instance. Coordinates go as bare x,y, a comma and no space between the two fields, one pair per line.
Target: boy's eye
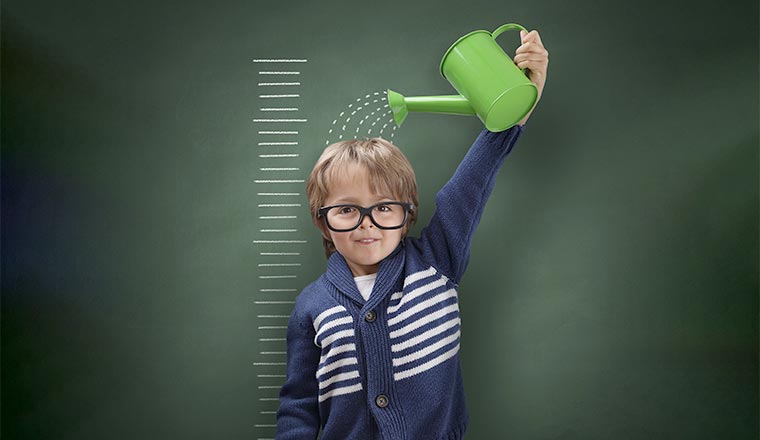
383,208
346,210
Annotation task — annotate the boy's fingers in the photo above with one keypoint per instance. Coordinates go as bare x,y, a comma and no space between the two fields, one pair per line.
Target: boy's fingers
530,47
532,64
531,36
535,56
525,47
530,56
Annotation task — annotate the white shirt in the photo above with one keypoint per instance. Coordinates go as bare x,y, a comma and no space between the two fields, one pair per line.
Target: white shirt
365,283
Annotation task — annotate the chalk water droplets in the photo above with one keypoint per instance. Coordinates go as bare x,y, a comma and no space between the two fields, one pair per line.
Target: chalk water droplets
368,116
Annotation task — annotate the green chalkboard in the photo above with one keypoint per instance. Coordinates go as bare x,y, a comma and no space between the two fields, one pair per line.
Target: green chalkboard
155,230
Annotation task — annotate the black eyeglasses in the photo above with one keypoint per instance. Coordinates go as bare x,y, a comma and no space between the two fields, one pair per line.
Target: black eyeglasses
385,215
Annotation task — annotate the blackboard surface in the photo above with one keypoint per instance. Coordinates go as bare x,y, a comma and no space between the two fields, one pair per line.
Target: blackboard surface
155,229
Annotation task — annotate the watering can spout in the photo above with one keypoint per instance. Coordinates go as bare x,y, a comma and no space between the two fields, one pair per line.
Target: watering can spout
398,106
450,104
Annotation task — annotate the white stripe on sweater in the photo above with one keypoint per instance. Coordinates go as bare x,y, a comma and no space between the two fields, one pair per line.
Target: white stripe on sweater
426,351
427,365
427,319
326,313
451,293
419,275
335,336
335,323
338,378
337,350
418,292
337,364
339,391
425,336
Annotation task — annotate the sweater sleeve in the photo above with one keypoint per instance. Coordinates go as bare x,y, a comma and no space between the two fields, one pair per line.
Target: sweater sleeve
445,241
298,415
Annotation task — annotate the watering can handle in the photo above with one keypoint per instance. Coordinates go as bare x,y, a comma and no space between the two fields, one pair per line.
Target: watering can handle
507,27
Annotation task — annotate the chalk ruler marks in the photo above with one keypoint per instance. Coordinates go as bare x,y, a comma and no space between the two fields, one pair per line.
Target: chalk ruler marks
279,181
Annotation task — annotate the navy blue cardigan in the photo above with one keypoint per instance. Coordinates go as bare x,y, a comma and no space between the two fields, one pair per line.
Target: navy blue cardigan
388,368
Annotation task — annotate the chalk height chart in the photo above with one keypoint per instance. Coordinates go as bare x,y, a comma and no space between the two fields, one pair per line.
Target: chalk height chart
279,122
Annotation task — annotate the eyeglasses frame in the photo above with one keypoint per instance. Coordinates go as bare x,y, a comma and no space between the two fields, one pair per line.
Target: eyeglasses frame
408,207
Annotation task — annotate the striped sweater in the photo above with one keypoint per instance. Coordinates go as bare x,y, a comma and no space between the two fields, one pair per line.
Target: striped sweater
388,368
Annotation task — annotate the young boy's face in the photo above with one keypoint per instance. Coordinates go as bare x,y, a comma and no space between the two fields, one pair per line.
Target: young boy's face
364,247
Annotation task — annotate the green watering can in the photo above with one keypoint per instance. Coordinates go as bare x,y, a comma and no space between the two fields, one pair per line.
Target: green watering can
490,84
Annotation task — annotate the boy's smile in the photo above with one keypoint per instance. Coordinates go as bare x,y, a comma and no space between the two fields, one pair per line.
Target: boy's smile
368,241
364,247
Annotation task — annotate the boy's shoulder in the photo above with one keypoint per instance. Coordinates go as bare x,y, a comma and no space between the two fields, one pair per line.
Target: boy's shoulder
313,299
311,293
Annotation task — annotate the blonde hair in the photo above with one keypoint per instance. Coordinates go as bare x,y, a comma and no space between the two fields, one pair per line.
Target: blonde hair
387,169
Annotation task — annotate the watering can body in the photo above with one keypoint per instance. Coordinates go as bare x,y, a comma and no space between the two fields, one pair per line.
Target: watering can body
491,86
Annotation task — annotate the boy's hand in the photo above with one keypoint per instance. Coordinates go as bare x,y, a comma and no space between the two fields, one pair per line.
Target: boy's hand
532,55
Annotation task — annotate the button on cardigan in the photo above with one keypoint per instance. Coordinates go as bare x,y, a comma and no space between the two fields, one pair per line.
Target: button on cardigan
388,368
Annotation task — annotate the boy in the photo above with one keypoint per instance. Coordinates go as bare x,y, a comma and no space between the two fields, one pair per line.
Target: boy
373,343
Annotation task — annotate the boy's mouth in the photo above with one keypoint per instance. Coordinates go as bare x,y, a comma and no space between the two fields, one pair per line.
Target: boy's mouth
367,240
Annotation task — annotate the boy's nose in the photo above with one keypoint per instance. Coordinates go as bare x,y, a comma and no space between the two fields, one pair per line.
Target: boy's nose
366,222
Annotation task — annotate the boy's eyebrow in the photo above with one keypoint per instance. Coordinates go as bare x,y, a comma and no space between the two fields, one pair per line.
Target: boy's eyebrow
343,200
354,201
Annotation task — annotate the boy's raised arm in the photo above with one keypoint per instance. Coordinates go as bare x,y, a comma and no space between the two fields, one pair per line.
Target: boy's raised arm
445,242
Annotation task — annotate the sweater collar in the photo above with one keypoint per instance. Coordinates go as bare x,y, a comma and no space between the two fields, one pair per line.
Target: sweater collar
339,274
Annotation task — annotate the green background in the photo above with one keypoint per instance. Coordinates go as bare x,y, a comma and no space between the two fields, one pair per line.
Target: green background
613,286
